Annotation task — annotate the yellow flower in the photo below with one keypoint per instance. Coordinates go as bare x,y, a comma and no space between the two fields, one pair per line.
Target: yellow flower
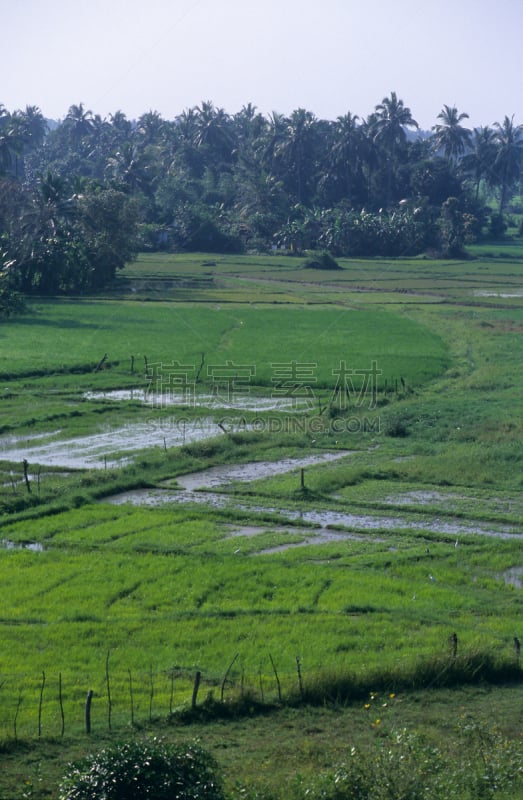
367,705
392,695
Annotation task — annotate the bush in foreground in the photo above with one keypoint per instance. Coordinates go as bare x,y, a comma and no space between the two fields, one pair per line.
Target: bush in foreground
404,766
141,770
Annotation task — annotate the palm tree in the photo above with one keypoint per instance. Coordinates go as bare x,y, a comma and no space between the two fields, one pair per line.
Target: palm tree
214,133
79,122
31,126
449,135
345,152
120,123
17,135
20,132
272,145
392,117
129,167
6,140
479,162
150,127
249,124
369,153
507,165
296,149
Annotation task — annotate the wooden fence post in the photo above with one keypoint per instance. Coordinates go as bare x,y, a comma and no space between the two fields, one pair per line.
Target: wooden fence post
276,676
226,676
109,701
171,697
151,693
300,681
197,680
88,711
26,475
132,696
16,714
61,702
42,685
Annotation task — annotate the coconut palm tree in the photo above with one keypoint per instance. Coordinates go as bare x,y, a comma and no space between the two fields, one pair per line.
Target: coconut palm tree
449,135
79,122
507,165
150,128
479,162
296,148
391,120
6,140
130,168
214,133
392,117
344,157
121,126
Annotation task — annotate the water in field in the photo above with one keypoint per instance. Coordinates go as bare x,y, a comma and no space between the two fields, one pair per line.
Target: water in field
497,293
308,536
514,577
200,488
227,473
35,547
226,400
112,447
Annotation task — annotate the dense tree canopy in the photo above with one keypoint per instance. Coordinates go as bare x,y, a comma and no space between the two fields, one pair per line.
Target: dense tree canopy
79,197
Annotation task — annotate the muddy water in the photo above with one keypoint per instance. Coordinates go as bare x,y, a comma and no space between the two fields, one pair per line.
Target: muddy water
514,577
7,544
112,447
231,400
224,475
314,536
198,488
322,518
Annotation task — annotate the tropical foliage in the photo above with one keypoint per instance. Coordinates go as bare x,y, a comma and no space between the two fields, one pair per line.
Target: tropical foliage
78,197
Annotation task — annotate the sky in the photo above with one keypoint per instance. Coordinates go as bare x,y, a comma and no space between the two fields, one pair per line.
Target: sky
327,56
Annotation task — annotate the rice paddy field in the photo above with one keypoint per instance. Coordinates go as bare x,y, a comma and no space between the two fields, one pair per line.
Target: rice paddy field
274,508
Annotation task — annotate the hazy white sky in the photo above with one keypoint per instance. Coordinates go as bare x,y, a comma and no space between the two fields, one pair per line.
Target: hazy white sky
328,56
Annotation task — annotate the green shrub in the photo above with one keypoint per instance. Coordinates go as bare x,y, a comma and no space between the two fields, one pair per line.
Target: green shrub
397,425
404,766
141,770
320,260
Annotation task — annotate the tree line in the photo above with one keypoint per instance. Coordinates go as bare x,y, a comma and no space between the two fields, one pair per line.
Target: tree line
79,197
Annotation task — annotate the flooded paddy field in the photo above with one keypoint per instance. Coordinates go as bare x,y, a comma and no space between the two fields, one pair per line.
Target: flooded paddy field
112,446
166,536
